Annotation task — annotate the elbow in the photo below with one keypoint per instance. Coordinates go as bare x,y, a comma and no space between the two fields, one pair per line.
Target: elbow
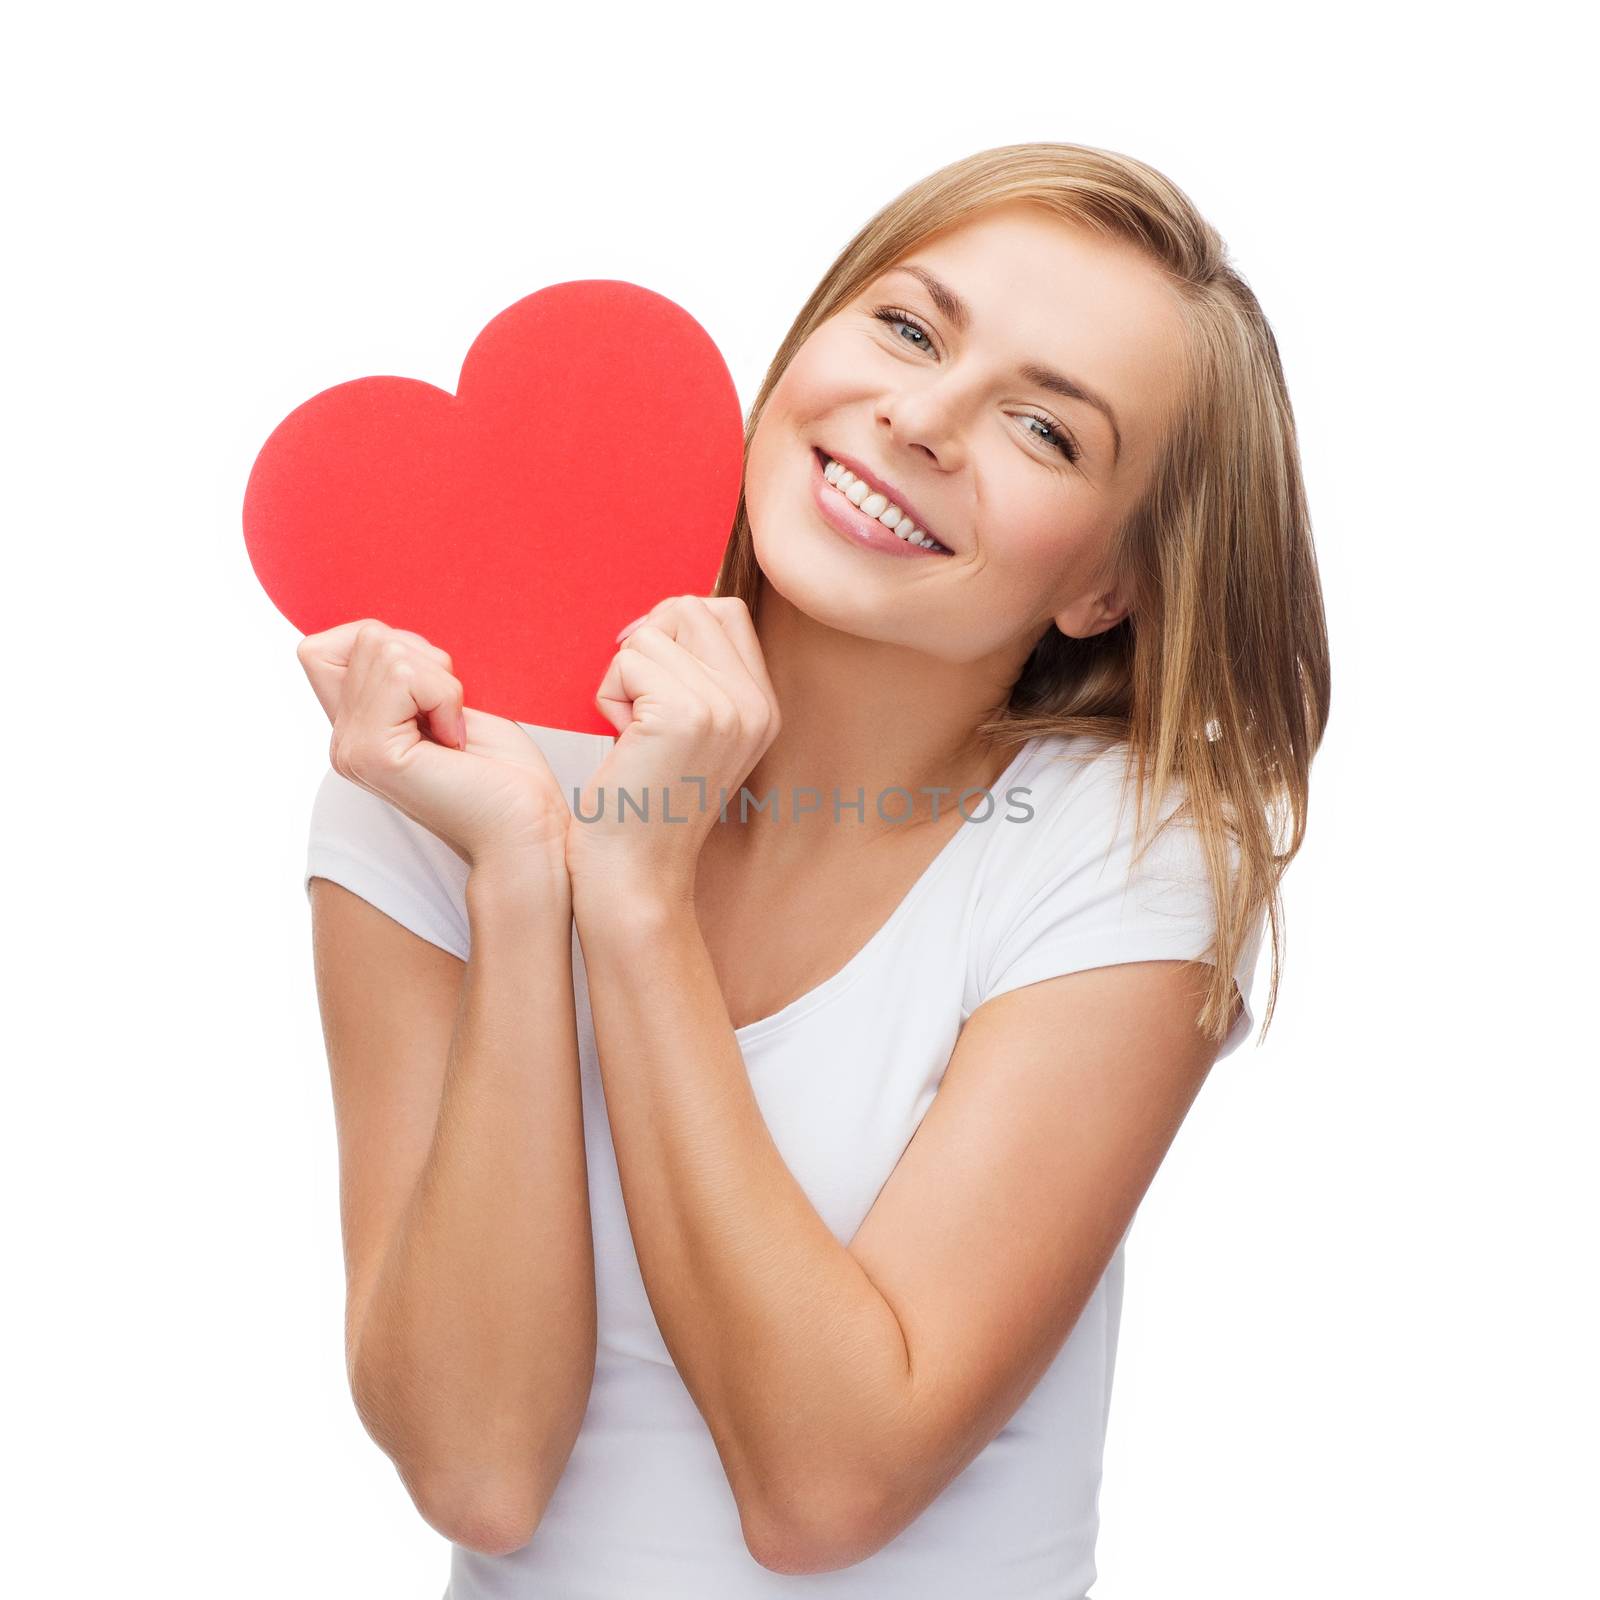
492,1518
494,1510
491,1506
821,1530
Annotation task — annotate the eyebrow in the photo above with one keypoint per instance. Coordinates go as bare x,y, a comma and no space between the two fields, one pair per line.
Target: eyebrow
956,311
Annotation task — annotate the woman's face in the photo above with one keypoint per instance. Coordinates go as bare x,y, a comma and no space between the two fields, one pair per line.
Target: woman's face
941,386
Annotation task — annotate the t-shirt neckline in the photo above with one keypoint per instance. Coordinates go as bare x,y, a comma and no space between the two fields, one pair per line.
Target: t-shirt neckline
832,987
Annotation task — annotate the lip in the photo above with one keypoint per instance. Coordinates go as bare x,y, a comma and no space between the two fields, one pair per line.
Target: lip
855,524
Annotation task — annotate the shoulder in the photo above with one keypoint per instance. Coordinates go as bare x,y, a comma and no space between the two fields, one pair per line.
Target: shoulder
1086,880
1069,799
367,845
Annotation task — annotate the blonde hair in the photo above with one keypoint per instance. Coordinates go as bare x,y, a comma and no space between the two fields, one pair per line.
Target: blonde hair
1218,678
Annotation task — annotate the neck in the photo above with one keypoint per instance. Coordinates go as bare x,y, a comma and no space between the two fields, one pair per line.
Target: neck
861,714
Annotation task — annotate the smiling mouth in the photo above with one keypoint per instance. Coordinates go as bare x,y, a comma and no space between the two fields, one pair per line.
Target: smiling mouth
876,506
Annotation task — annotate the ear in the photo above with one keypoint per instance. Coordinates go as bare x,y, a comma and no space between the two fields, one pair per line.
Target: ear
1093,614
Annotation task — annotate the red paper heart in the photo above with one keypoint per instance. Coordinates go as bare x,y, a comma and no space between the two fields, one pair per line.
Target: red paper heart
587,467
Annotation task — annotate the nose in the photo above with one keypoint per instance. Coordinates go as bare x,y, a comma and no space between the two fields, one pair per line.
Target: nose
926,418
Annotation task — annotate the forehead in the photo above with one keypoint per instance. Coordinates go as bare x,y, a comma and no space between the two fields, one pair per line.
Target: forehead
1044,289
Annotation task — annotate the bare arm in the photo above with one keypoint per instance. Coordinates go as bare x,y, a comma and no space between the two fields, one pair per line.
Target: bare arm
846,1386
470,1332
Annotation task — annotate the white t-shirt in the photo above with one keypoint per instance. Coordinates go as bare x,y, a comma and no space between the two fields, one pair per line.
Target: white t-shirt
843,1076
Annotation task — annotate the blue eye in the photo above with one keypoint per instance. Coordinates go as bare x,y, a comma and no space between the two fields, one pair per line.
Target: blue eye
893,314
1060,440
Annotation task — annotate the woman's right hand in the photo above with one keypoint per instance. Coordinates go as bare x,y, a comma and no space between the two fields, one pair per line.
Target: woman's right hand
400,729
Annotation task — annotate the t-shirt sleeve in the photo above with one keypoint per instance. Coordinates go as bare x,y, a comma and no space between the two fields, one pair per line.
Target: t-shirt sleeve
1073,899
358,839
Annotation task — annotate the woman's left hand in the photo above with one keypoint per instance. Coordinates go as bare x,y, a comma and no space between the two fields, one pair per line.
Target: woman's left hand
694,710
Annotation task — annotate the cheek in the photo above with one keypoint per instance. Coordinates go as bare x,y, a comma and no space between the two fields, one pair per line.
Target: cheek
776,479
818,376
785,413
1035,529
1040,548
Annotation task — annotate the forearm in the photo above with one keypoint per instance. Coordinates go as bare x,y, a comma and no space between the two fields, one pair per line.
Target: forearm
475,1357
795,1360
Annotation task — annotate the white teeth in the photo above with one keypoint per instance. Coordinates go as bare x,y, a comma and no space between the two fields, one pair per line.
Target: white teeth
876,505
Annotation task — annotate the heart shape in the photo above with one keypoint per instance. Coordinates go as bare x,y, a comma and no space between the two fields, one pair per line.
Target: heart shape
587,467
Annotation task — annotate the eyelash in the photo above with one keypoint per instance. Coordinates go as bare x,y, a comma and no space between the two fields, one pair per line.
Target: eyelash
1064,442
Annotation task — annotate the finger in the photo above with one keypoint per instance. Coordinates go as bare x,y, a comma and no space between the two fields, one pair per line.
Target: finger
415,690
332,648
630,676
441,656
663,614
444,706
692,620
652,615
325,658
700,683
446,722
677,621
734,616
392,682
334,645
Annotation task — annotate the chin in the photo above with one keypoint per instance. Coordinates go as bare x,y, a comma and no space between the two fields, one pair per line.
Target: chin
800,572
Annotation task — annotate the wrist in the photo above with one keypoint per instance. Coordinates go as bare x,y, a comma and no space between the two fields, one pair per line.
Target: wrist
622,898
521,877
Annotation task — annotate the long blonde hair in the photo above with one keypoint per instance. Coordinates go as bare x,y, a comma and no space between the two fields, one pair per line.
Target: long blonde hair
1218,678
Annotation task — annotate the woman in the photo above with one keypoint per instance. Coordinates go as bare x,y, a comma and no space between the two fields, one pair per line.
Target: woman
736,1206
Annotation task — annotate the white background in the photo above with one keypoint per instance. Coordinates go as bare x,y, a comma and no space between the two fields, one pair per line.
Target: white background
1358,1342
